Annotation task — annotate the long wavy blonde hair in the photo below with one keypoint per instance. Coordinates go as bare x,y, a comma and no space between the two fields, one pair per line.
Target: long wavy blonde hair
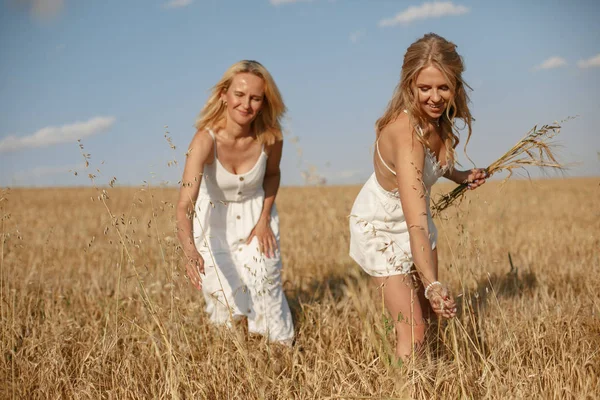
434,50
267,124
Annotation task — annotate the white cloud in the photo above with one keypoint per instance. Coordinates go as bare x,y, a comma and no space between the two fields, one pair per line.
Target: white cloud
425,11
355,36
57,134
550,63
590,62
280,2
39,172
177,3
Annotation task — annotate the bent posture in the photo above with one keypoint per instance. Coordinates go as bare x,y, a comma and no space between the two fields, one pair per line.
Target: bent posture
227,222
393,237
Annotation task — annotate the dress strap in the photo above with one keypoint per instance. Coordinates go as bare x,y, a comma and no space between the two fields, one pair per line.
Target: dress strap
212,135
419,130
381,158
426,148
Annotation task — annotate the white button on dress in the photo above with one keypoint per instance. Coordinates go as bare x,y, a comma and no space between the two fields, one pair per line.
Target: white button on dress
239,281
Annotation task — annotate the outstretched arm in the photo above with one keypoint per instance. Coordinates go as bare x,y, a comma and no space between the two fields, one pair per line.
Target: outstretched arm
196,156
472,177
409,162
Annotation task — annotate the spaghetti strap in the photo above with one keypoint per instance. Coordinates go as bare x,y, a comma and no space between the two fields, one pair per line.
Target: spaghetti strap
212,135
377,219
381,158
227,209
419,130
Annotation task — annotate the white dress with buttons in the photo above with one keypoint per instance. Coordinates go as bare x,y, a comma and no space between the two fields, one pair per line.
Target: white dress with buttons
239,280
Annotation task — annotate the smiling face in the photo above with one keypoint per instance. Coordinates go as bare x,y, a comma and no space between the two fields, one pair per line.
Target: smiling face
244,98
433,91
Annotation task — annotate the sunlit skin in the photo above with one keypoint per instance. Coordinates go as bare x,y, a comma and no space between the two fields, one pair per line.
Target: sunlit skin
434,94
399,149
244,99
238,153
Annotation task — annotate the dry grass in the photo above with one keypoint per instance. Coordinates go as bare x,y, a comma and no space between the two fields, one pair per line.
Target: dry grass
85,315
536,149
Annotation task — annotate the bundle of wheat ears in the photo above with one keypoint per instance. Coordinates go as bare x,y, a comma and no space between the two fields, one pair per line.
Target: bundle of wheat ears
535,149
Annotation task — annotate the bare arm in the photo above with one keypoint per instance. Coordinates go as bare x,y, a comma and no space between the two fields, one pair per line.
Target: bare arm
455,175
472,177
198,153
262,230
409,162
272,179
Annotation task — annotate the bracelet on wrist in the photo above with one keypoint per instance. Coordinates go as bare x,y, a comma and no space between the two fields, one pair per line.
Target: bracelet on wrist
432,284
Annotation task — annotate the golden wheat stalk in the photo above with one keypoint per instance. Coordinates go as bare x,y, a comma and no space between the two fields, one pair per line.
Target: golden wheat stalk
535,149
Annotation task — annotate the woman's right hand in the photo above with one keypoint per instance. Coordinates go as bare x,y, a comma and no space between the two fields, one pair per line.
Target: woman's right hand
195,268
442,302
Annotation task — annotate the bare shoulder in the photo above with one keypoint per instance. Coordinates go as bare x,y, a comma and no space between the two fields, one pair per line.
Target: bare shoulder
400,131
202,138
405,142
201,145
274,147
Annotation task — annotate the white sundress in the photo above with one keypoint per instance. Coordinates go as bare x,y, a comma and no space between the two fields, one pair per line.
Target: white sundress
379,238
239,280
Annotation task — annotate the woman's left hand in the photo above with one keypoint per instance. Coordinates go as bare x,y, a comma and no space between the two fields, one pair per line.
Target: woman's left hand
475,177
266,239
442,302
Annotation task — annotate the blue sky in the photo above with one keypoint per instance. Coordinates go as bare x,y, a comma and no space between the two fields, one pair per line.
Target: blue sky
115,73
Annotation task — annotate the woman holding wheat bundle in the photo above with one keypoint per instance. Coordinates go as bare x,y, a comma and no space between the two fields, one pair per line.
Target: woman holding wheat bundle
393,237
227,222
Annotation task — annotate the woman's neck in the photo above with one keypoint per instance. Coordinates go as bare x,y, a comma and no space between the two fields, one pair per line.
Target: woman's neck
234,131
435,122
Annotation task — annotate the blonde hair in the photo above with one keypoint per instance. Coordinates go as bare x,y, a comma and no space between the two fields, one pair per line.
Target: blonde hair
431,50
267,124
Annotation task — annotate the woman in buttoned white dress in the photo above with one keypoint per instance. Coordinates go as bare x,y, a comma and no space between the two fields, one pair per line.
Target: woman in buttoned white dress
392,234
226,216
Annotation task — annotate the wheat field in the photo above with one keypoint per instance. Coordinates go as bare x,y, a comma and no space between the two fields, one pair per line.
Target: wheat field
95,304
